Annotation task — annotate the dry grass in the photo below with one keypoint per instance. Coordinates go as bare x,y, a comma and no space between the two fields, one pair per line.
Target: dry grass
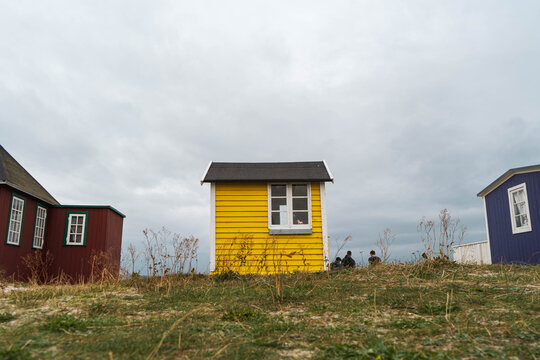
422,311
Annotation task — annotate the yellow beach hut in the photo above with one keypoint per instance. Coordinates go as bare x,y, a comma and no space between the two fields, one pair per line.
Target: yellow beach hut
268,217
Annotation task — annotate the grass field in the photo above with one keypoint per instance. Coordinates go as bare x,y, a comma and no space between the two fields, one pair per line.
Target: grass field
390,312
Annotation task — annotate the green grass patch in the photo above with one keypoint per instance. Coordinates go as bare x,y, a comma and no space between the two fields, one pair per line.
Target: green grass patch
64,322
14,354
5,317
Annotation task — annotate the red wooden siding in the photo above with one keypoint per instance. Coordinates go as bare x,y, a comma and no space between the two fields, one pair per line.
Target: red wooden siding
114,235
103,238
11,255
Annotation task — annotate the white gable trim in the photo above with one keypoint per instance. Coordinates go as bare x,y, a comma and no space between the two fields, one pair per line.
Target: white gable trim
212,227
328,170
488,261
206,172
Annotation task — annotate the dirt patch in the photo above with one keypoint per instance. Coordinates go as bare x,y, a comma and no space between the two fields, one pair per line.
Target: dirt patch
296,353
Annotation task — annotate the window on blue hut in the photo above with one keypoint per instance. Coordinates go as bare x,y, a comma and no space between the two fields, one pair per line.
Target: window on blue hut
519,209
289,208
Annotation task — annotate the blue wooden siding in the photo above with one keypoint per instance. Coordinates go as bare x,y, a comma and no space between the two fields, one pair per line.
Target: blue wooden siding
505,246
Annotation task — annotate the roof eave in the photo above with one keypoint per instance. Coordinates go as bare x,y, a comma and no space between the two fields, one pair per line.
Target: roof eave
507,175
29,193
205,173
266,180
108,207
328,171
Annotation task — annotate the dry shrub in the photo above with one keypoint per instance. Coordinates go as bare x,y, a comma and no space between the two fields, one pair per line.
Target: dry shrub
104,266
133,256
340,245
438,237
63,278
38,263
238,251
185,253
168,253
3,280
240,256
385,240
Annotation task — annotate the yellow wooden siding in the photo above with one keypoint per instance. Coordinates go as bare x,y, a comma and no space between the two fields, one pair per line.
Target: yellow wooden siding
243,242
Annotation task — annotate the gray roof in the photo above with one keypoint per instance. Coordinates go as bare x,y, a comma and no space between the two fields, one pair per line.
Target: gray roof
267,171
507,175
14,175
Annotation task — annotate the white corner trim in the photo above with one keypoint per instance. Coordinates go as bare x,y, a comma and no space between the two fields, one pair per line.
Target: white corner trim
326,249
206,172
212,227
487,231
328,170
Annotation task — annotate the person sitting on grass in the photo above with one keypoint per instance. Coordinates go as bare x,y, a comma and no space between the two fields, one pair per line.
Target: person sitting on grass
336,265
348,261
373,259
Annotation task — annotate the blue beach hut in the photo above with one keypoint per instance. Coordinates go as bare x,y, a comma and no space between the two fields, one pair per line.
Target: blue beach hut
512,209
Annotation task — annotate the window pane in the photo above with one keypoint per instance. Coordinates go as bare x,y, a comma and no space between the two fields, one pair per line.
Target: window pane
518,196
278,203
73,229
299,190
300,204
300,217
517,210
79,229
276,217
279,190
80,220
522,208
79,238
524,220
71,238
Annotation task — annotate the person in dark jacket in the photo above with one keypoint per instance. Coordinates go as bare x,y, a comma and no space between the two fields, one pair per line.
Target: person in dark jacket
373,259
336,265
348,261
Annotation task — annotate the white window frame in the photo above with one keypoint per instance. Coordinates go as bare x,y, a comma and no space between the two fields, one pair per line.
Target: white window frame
68,229
515,228
39,227
289,228
17,223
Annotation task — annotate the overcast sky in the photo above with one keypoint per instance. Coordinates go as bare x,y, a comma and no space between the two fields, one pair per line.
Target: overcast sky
416,106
